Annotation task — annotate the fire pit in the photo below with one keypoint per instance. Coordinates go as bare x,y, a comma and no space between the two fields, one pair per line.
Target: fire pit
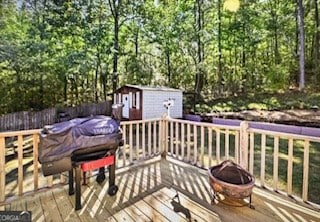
231,180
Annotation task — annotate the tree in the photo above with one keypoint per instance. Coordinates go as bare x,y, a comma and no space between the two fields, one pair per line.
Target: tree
200,72
70,52
301,45
316,38
219,70
115,9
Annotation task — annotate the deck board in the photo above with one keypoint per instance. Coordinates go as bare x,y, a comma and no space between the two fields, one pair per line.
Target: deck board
91,206
34,205
165,196
65,207
198,212
50,207
148,193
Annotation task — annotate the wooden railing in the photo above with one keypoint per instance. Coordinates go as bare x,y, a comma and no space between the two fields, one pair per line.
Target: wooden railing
19,161
294,153
203,144
280,161
20,171
143,140
283,162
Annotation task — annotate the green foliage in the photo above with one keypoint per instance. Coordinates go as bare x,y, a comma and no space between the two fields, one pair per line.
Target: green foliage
277,77
62,52
264,101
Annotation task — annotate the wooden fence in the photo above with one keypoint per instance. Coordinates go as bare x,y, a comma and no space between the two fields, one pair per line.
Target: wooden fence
35,120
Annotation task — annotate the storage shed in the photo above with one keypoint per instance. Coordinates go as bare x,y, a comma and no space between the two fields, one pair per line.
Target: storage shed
146,102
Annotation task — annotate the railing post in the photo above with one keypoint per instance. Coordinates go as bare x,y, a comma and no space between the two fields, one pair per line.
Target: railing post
164,136
244,144
2,170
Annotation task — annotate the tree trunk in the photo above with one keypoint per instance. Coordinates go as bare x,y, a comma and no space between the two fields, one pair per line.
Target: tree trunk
168,65
104,79
136,43
245,77
301,45
199,80
274,16
65,89
219,71
115,54
97,71
316,36
277,58
136,70
114,6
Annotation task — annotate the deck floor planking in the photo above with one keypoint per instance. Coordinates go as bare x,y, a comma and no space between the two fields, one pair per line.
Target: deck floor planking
163,190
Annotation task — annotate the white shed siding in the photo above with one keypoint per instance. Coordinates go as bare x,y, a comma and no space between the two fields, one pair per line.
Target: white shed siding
153,103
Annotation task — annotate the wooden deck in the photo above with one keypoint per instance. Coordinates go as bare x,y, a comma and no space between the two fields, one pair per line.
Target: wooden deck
146,193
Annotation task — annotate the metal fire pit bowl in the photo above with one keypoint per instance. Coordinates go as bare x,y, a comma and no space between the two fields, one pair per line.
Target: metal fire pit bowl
231,180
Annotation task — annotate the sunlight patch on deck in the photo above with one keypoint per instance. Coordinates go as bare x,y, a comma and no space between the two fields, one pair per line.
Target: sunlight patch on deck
282,202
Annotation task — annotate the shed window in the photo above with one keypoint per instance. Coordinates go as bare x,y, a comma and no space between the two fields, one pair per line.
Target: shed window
137,100
134,100
119,98
130,100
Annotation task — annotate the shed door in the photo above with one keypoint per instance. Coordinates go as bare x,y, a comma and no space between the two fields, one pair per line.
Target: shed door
125,102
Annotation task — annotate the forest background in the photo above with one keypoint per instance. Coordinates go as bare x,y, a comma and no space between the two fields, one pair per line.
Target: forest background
68,52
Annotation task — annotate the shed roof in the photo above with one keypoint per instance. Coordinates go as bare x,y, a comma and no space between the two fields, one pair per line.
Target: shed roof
153,88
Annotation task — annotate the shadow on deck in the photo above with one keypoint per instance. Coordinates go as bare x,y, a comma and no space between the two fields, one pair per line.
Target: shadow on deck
161,190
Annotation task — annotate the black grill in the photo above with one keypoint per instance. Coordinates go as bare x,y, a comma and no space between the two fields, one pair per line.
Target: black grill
81,143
